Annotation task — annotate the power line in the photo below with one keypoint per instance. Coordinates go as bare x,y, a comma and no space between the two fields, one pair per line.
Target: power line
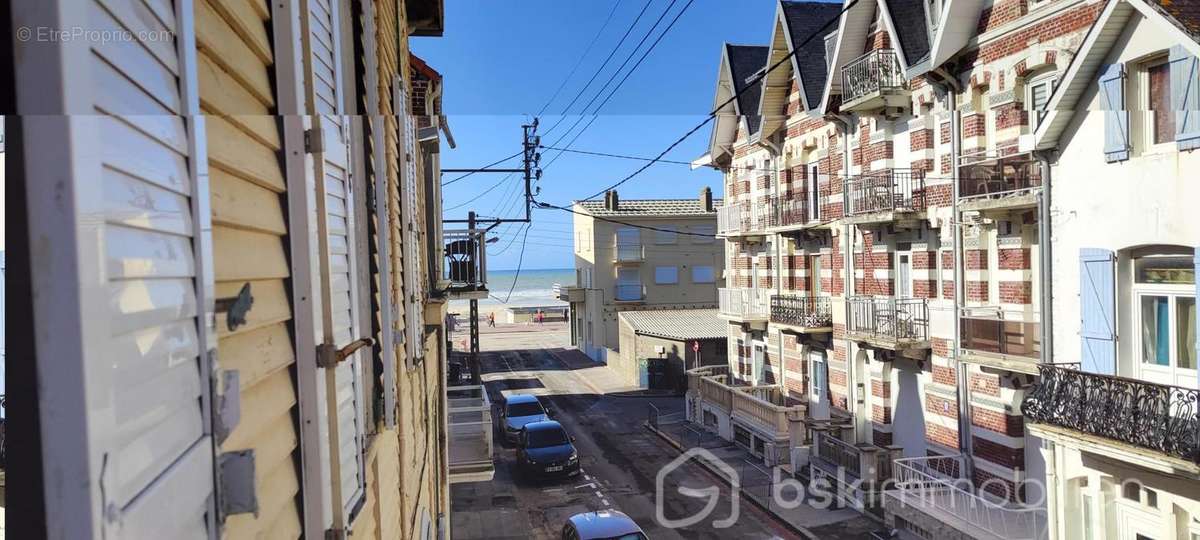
477,197
517,275
489,165
581,58
541,204
757,78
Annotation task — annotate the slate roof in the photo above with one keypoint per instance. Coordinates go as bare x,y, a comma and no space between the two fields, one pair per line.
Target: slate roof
1186,14
908,17
650,207
805,19
678,324
744,62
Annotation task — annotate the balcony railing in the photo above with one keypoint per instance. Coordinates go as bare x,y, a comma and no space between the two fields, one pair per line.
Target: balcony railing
806,311
890,319
998,177
465,261
628,292
470,433
742,218
1158,417
745,303
628,252
1001,337
872,73
788,212
765,406
887,190
936,485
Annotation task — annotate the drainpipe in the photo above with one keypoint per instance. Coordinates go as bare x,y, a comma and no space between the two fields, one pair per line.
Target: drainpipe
1048,451
846,126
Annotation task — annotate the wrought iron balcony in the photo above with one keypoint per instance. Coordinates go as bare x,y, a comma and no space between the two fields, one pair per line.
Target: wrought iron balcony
998,182
810,312
744,304
874,80
788,212
936,486
890,322
465,263
1154,416
469,423
887,190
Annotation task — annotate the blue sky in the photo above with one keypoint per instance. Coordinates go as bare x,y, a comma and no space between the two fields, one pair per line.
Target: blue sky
502,61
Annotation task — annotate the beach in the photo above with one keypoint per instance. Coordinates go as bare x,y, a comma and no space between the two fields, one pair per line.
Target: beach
533,288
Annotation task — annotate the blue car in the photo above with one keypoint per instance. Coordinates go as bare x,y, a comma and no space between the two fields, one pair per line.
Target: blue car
518,410
545,449
602,525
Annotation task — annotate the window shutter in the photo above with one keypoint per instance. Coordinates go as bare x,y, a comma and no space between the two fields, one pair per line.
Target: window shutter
1116,117
410,234
1097,307
1185,97
338,255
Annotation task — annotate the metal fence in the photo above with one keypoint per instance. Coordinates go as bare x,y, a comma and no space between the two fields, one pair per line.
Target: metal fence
890,318
894,190
936,483
806,311
870,73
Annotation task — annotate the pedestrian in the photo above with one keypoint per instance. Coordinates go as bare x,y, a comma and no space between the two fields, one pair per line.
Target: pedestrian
491,320
540,316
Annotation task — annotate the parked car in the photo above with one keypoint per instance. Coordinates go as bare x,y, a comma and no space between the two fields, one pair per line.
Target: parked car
545,449
603,524
518,410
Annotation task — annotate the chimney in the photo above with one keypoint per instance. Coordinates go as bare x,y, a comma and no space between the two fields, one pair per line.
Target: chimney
706,199
611,203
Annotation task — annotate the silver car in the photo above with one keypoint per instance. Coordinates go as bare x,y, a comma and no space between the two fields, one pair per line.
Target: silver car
602,525
518,410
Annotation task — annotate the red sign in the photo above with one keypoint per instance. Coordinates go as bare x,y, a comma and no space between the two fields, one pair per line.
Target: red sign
696,346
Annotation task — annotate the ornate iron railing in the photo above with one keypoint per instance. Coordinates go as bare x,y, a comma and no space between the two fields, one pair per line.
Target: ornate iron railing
893,319
1159,417
806,311
899,190
873,72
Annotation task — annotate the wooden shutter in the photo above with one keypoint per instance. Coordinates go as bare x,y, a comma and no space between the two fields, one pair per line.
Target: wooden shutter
1097,309
1185,97
1116,117
123,282
410,234
337,250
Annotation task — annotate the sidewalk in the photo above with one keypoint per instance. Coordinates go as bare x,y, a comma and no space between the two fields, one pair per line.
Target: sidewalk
755,480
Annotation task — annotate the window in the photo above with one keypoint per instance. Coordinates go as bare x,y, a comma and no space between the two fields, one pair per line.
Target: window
629,284
703,274
666,275
1161,118
1165,292
814,193
665,236
708,231
1037,95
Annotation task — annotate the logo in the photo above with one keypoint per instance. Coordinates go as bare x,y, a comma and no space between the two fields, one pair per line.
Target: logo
711,493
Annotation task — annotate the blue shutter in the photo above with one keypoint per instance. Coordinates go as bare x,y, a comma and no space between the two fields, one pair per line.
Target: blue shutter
1097,309
1116,118
1185,97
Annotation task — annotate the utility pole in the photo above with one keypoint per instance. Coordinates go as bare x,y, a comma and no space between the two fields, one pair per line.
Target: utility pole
531,170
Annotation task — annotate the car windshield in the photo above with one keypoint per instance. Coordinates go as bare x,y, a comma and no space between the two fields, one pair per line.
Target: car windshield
525,409
547,437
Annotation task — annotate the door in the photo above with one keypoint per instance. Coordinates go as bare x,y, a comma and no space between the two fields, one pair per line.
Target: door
1137,523
337,251
759,354
818,397
908,420
814,193
904,275
121,272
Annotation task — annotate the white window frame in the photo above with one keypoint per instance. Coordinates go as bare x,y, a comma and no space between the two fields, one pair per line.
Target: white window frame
1047,79
625,282
712,273
1172,370
661,279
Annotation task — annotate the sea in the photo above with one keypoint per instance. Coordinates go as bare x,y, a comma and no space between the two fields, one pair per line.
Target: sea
534,287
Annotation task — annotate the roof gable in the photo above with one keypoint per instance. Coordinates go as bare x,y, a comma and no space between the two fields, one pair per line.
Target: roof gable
744,62
851,39
806,19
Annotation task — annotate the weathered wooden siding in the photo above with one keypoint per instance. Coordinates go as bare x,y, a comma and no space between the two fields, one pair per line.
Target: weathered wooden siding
249,236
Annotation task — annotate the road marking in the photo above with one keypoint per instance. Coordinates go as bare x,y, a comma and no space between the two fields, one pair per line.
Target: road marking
589,484
598,494
605,501
552,490
587,477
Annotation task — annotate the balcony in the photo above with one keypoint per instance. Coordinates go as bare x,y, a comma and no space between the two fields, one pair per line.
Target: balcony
629,292
739,219
628,253
806,313
1121,416
1011,345
935,486
766,411
874,81
469,427
744,304
840,459
884,195
788,213
999,183
465,263
889,322
569,293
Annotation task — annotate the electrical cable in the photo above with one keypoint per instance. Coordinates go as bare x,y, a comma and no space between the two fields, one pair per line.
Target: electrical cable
488,166
581,57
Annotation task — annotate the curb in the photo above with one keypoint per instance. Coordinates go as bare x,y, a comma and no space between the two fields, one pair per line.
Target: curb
754,502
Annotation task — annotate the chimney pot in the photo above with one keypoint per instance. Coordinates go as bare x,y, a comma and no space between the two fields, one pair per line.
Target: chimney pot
706,199
611,202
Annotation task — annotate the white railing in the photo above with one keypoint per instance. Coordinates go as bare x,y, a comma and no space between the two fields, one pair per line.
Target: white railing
745,303
937,483
733,218
470,434
627,252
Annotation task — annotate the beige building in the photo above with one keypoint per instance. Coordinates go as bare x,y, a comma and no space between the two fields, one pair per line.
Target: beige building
658,346
640,255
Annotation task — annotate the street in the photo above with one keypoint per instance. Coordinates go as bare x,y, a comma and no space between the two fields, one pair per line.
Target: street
619,457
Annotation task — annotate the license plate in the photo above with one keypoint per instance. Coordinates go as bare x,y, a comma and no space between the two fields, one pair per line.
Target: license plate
555,468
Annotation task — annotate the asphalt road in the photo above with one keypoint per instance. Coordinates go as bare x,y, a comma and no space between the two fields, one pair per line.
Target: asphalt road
619,457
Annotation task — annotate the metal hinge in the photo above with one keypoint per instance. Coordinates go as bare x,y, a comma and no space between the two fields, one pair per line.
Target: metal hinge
328,355
313,141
